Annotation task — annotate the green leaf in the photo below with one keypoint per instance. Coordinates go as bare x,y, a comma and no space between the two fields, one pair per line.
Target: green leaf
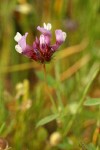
92,102
47,119
50,80
40,75
2,127
91,147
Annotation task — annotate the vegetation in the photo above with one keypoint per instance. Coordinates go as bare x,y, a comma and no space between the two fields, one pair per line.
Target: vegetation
57,108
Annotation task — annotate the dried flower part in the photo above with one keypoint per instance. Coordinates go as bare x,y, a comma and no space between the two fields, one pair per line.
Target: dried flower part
25,105
3,144
23,8
55,138
41,50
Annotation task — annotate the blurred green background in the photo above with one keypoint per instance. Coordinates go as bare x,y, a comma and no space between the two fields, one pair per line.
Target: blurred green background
25,98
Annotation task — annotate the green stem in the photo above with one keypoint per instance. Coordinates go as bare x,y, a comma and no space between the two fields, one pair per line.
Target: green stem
59,100
48,91
44,69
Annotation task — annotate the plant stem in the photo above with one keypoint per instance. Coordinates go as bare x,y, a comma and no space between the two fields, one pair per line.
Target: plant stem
44,68
48,91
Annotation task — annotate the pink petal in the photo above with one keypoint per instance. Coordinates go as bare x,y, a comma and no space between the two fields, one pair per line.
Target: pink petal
60,36
22,41
44,31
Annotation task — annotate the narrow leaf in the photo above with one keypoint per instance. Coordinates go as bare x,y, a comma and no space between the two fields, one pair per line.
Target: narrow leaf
50,80
2,127
47,120
92,102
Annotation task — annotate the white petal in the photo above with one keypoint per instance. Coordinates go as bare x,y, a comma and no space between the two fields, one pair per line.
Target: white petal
17,37
49,26
64,36
18,49
45,26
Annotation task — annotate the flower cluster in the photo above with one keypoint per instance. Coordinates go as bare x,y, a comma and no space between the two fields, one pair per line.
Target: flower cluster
41,50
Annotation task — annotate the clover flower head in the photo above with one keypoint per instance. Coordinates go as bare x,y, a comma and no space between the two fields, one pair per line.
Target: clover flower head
42,49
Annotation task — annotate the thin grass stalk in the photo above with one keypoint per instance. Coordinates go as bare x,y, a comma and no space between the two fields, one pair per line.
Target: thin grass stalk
79,108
